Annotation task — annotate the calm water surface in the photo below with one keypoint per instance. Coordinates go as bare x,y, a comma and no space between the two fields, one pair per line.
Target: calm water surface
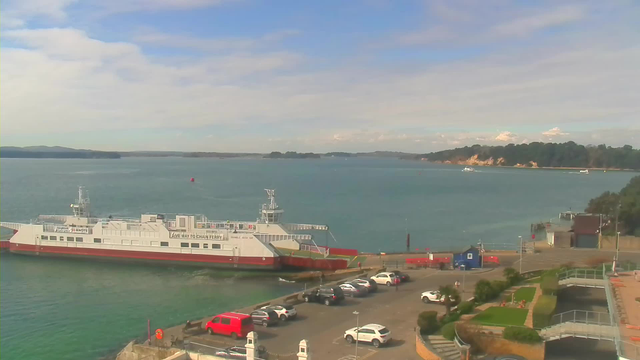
61,309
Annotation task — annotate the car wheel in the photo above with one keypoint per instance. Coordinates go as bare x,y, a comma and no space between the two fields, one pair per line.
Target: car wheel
234,336
283,317
210,331
388,283
426,300
349,339
327,302
306,299
265,323
376,342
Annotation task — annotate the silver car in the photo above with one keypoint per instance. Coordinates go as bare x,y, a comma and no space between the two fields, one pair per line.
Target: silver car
353,289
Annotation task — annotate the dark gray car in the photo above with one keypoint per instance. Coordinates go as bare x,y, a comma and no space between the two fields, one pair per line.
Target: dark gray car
265,317
353,290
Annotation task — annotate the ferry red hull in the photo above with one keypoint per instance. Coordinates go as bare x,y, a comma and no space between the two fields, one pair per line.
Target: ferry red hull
266,263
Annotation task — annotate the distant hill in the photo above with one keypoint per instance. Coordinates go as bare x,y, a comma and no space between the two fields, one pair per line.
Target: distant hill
54,152
291,155
537,154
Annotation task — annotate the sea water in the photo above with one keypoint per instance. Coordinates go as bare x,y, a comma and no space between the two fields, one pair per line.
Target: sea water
69,309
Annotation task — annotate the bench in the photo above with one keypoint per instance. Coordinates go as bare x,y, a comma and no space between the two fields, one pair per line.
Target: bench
192,326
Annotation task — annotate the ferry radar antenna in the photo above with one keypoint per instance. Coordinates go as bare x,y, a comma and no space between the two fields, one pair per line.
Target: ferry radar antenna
271,195
82,207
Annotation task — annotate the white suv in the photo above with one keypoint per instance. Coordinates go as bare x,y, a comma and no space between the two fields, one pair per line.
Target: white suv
385,278
372,333
285,312
433,296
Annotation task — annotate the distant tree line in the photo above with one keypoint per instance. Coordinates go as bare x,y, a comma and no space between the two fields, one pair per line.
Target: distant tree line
59,155
567,154
626,204
339,154
291,155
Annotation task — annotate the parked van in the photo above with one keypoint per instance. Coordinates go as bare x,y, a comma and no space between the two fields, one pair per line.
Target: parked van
230,324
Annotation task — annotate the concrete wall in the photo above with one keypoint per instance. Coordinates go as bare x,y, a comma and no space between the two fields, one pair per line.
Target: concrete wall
423,349
626,242
138,352
494,345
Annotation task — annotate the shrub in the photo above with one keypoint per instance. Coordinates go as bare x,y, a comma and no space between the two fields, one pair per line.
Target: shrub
512,276
428,322
449,331
466,307
484,291
520,334
498,286
447,319
543,311
549,285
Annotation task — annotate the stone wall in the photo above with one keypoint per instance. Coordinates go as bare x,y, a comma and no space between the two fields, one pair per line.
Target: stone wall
423,349
626,243
137,352
494,345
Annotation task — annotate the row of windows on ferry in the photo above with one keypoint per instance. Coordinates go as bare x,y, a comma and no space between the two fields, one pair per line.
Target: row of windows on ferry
131,242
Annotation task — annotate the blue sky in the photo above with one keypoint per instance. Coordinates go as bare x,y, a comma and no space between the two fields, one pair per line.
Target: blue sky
361,75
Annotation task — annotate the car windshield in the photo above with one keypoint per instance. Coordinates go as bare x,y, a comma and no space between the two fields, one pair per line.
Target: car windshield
383,331
288,307
272,314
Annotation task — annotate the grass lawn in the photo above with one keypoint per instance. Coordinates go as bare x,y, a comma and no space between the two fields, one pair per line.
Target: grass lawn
525,293
501,316
536,280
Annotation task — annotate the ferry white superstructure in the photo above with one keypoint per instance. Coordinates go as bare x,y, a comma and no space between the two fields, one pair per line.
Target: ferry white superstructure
178,239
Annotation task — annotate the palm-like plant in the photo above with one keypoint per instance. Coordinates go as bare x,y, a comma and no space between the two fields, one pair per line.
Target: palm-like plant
450,296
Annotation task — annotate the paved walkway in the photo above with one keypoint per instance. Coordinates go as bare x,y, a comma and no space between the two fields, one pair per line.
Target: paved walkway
627,289
571,329
529,321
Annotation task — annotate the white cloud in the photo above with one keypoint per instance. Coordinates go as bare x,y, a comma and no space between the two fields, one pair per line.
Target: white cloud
15,13
425,37
554,132
153,37
528,24
506,136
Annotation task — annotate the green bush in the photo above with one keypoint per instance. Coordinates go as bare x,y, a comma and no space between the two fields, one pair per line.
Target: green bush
549,285
543,311
449,331
520,334
428,322
512,276
484,291
452,317
466,307
498,287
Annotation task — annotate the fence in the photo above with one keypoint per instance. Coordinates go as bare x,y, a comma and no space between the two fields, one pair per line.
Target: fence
226,353
583,317
596,274
328,250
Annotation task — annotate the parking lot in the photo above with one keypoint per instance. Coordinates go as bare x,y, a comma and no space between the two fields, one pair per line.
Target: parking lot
324,326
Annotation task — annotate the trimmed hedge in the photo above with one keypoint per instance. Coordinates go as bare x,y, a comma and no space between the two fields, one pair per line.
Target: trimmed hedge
452,317
466,307
549,285
449,331
428,322
521,335
543,311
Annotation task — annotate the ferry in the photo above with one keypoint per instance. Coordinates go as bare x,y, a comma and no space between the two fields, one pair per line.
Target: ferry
171,239
468,169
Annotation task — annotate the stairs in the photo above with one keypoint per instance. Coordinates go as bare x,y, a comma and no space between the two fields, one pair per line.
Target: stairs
570,329
447,350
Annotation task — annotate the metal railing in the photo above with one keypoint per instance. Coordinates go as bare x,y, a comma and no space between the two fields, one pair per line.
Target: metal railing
595,274
583,317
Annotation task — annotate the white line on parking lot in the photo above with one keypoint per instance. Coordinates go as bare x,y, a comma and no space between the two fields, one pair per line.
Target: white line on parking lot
337,340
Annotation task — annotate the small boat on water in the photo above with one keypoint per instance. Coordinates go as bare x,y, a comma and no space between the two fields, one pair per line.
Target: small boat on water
585,172
468,169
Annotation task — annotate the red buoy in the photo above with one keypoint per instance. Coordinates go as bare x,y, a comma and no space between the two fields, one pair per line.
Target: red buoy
193,180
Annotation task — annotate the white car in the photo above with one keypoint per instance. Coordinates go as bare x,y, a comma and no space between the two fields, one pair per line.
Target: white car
372,333
433,296
285,312
385,278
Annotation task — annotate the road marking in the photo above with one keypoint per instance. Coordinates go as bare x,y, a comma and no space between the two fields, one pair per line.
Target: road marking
336,340
360,357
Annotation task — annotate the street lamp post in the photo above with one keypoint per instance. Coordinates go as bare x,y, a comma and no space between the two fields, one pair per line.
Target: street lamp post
357,314
520,254
617,245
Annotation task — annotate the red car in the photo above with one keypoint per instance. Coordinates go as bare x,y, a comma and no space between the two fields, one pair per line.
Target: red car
230,324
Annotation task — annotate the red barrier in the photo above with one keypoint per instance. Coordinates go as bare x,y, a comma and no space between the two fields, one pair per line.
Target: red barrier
343,252
4,244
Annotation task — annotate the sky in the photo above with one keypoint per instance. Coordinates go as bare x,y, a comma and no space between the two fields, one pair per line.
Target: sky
357,75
